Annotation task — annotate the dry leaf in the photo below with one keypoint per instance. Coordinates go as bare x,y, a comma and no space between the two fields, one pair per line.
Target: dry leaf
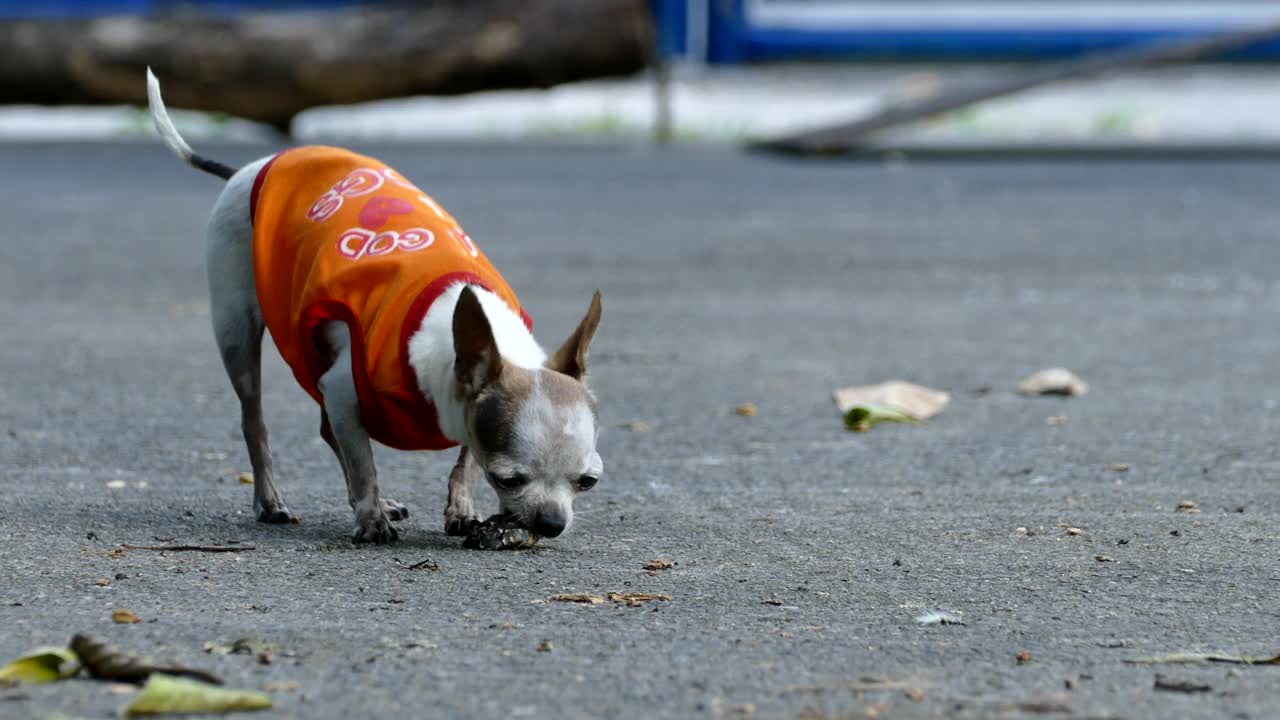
246,478
1208,657
106,662
42,665
546,646
746,410
1023,657
281,686
1186,686
582,598
164,694
633,599
124,616
895,397
659,564
1054,381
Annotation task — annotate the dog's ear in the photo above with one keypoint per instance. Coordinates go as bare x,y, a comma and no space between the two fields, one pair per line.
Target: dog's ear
571,358
476,359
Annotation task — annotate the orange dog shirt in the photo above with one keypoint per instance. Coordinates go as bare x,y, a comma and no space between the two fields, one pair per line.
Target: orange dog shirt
340,236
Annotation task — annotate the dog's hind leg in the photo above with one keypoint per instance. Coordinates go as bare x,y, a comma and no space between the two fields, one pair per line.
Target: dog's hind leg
238,328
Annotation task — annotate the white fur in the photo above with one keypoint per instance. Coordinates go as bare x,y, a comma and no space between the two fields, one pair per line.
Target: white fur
164,125
431,352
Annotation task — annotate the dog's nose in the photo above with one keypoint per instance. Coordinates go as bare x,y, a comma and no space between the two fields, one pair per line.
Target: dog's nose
549,523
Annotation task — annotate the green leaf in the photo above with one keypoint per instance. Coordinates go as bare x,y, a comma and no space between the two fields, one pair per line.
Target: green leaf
165,694
861,418
44,664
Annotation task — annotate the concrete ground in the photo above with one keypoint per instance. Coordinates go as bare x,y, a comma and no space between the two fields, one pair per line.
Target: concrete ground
803,553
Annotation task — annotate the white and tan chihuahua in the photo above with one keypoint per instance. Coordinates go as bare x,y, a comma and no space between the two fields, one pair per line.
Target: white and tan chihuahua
525,420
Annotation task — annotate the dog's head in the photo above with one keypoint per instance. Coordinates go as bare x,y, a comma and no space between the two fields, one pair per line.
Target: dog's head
533,431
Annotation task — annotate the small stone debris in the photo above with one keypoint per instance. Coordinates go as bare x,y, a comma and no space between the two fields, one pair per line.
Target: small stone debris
1023,657
546,646
1104,558
939,617
245,478
1188,506
1073,531
660,564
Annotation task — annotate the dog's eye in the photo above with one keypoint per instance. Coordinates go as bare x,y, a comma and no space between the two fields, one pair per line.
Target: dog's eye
586,482
509,482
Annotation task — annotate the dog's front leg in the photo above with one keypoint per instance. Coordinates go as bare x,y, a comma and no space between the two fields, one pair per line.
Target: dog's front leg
350,442
460,514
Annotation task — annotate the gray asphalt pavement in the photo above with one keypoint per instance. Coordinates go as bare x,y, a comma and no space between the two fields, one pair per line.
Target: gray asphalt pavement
803,553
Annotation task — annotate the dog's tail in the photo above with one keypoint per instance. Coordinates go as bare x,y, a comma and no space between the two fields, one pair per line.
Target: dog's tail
172,140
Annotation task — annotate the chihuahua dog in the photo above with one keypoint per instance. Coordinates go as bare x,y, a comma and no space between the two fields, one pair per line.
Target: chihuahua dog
401,330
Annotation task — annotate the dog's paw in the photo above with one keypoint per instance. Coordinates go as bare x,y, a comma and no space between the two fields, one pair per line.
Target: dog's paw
394,510
459,518
457,524
377,530
276,514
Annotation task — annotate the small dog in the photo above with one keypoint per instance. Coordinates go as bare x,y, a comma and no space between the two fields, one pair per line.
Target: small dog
397,325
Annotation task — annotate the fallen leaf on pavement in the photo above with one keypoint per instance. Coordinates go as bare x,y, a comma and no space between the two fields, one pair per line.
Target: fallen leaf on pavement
862,419
281,686
583,598
633,599
124,616
1186,686
939,617
1208,657
246,478
546,646
746,410
893,401
190,548
241,646
103,661
659,564
164,694
42,665
1054,381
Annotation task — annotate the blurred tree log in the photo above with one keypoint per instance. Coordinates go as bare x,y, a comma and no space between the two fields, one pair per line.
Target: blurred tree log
270,67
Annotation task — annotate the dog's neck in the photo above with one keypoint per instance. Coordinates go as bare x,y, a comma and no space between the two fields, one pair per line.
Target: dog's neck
432,357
